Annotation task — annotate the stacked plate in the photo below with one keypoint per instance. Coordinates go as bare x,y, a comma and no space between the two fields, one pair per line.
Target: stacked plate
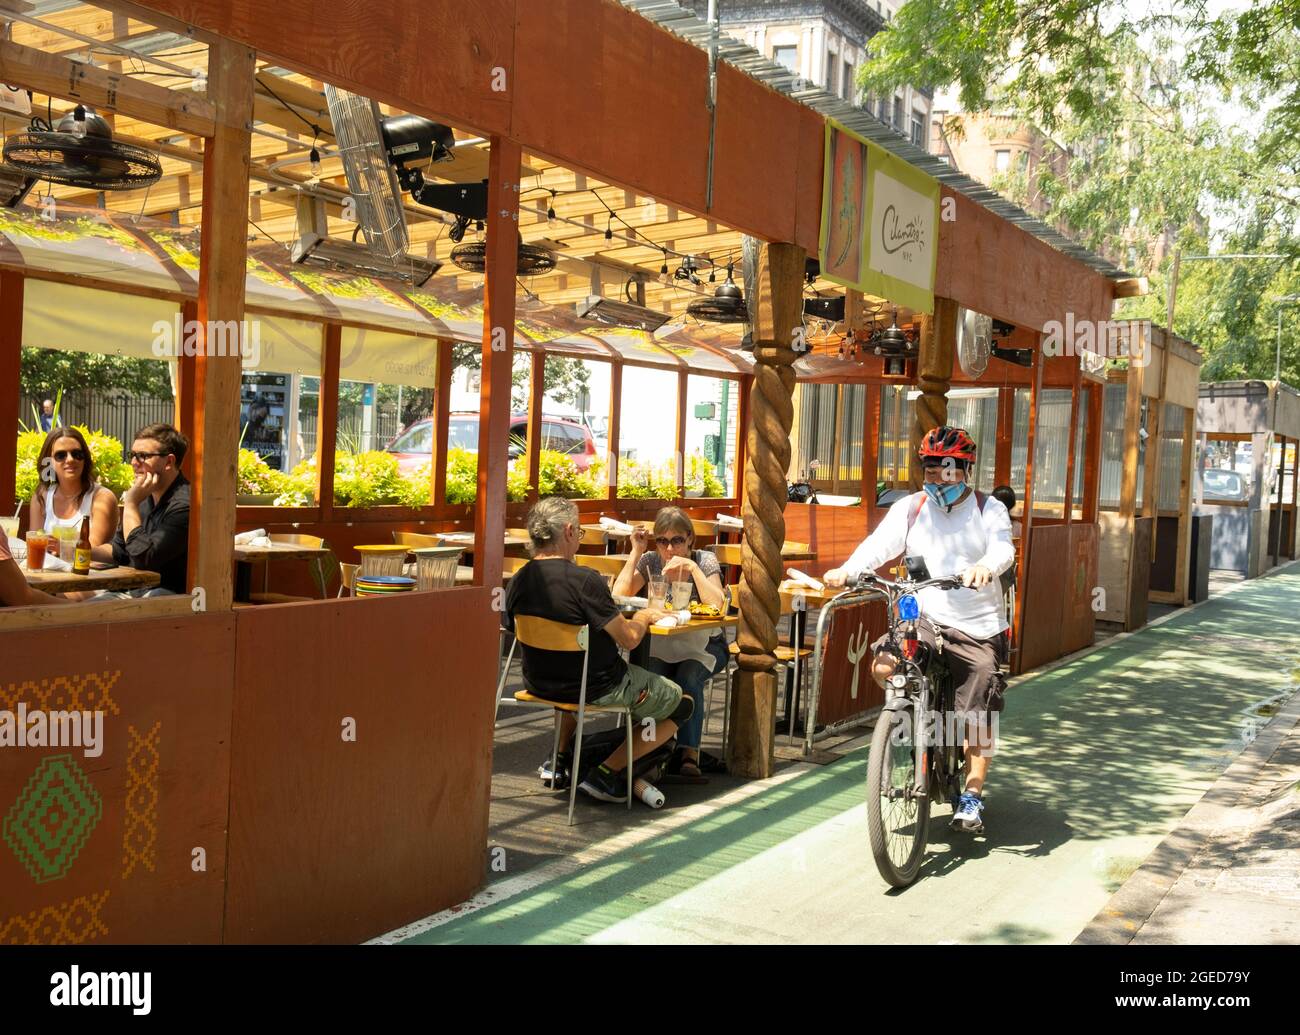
383,585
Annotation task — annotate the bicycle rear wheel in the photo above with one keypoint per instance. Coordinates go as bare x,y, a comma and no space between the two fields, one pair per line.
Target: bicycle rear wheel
897,821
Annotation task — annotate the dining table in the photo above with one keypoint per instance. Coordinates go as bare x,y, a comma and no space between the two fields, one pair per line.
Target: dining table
246,555
115,578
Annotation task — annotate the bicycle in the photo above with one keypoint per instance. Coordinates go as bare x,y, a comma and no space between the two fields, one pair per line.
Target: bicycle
905,771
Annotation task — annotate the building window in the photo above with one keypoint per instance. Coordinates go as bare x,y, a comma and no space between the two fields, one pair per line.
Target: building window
832,70
787,56
1001,161
918,129
884,110
898,114
850,87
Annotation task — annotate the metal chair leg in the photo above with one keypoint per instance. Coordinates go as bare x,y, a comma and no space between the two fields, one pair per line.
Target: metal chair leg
630,767
577,760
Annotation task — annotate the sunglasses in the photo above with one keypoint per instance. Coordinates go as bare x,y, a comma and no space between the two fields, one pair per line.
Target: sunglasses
142,457
677,540
63,454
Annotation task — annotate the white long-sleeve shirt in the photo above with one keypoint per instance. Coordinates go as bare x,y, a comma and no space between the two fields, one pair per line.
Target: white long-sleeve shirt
950,542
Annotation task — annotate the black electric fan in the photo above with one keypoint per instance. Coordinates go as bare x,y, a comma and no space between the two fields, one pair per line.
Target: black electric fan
81,152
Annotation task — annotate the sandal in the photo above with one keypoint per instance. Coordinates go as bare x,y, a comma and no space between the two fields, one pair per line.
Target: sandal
711,763
684,770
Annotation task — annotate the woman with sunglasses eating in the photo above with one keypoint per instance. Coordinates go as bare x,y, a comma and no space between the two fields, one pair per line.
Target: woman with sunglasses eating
67,493
691,659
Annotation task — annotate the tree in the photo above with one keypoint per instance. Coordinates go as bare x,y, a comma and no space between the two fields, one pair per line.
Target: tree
562,379
47,371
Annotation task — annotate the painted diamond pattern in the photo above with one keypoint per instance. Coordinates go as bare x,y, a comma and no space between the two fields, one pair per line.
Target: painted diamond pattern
52,819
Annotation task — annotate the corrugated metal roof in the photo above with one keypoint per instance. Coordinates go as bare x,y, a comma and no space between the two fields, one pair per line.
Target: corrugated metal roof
682,22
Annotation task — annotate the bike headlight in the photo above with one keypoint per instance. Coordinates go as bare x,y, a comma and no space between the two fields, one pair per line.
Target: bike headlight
897,683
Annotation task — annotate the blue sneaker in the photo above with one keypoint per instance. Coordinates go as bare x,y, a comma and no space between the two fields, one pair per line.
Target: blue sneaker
968,816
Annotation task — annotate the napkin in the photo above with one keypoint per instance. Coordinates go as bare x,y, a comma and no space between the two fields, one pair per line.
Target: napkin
730,521
261,540
674,618
18,547
55,563
246,538
804,580
616,526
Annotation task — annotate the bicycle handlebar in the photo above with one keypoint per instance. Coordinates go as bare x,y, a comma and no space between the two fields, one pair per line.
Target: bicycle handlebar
897,588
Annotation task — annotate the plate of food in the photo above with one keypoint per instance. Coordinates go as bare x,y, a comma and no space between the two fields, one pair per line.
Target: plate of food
702,610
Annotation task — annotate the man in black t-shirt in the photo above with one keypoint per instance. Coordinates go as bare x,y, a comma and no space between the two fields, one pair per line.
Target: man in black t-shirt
552,586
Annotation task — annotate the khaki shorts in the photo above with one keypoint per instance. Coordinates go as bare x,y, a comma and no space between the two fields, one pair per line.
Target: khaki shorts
977,682
648,695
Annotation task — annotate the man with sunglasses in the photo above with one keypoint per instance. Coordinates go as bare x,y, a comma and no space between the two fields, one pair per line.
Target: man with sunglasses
956,530
155,530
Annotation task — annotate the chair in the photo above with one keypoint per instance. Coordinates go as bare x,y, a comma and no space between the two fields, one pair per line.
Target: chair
510,565
348,578
602,563
544,634
728,553
416,539
290,539
703,530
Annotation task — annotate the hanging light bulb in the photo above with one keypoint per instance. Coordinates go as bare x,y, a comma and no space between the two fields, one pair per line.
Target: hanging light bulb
550,208
78,127
609,232
314,158
663,270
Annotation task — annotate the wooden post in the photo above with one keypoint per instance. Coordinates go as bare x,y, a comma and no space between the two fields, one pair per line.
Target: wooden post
1184,544
11,370
745,387
1092,465
327,422
498,354
611,446
1071,459
1027,514
750,751
1295,492
681,432
222,270
537,382
934,375
1006,411
1151,476
871,449
186,372
441,423
837,439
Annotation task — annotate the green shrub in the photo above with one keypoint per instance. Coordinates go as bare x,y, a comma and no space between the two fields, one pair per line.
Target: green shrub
702,477
642,481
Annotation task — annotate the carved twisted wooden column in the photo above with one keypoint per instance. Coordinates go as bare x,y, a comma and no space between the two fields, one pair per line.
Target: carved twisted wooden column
771,411
933,374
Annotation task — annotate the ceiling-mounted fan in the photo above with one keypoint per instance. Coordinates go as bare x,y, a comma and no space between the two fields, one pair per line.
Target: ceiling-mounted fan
726,306
80,152
974,342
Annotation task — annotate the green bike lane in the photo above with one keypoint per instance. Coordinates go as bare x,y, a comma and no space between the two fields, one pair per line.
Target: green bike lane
1099,758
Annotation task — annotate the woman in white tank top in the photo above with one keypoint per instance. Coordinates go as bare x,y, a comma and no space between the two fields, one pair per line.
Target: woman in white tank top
73,494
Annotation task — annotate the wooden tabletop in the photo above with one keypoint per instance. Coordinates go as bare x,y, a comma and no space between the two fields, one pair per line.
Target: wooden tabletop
110,578
466,539
790,554
695,625
284,551
812,598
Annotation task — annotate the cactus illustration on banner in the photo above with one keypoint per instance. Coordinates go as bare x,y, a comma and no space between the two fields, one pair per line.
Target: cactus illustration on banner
855,652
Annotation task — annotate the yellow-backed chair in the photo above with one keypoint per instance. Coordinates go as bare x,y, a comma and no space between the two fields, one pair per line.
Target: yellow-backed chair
544,634
602,563
416,539
348,578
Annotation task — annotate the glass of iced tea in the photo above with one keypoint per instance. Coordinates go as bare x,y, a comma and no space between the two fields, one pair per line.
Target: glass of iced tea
37,543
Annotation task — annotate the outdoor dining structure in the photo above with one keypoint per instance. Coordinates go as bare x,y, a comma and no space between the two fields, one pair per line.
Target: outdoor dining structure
319,769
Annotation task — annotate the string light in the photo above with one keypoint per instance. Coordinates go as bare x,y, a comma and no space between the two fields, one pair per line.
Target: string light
314,157
609,232
550,208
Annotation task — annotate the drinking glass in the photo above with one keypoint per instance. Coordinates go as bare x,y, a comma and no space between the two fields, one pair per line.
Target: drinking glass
9,527
657,594
682,594
67,540
37,543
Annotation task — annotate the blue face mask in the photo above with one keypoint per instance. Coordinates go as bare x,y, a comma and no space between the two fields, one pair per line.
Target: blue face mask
944,494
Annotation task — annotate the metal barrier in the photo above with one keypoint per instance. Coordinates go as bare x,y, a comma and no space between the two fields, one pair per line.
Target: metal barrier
840,651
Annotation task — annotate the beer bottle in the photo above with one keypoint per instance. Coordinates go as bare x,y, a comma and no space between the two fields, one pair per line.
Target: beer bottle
81,556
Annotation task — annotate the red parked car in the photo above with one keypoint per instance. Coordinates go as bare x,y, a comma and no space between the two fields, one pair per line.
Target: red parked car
414,445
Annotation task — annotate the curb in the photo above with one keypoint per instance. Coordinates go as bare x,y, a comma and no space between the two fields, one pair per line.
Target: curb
1132,905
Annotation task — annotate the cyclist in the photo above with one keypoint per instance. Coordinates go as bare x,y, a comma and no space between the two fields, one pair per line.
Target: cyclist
956,531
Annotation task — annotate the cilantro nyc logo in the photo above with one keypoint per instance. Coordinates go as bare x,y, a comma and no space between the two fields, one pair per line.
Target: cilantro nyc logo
210,338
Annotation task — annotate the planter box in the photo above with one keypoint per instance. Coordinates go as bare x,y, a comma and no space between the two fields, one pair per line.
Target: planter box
249,499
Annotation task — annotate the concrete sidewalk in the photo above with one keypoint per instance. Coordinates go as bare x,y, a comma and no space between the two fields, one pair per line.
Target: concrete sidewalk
1229,873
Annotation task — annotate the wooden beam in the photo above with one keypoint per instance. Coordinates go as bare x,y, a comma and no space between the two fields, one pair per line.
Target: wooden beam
1071,459
441,423
536,389
105,91
1027,514
871,448
498,354
222,268
1092,465
1182,548
1006,413
11,368
186,378
680,440
615,428
327,420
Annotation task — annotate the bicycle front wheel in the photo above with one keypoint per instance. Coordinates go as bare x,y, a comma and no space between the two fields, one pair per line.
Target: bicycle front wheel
897,820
